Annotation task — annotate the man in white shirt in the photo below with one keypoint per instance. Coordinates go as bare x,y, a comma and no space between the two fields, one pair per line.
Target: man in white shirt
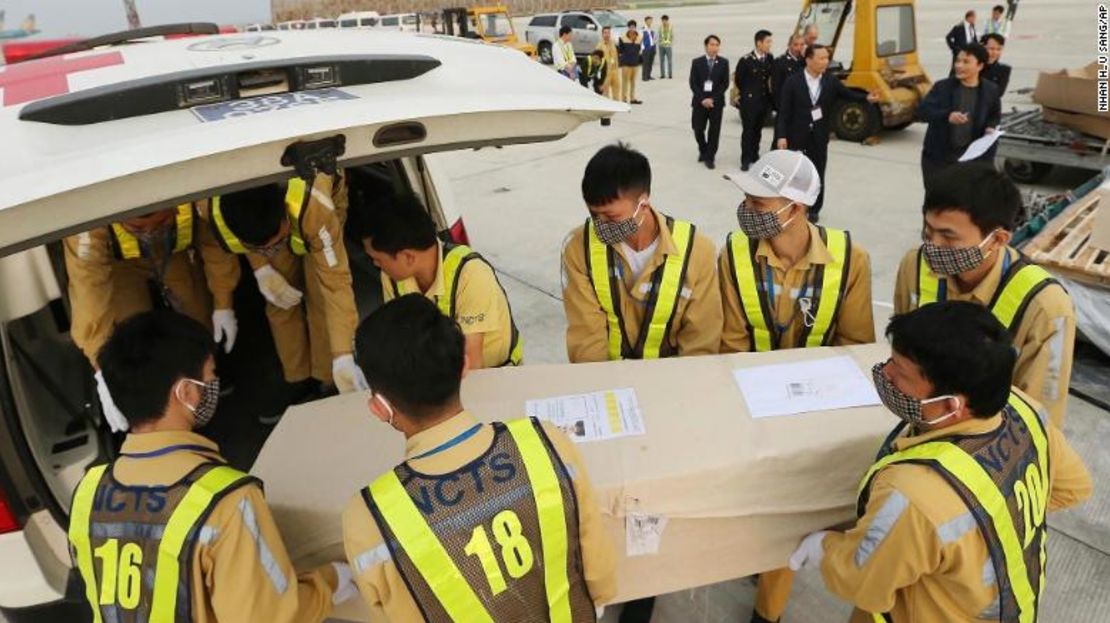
997,24
961,35
563,55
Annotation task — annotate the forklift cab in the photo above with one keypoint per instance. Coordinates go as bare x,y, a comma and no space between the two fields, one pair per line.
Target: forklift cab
884,60
456,23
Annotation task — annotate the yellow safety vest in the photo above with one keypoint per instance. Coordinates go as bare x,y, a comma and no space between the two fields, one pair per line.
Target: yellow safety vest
831,279
296,198
666,36
454,259
119,585
1021,281
666,287
127,245
419,542
993,507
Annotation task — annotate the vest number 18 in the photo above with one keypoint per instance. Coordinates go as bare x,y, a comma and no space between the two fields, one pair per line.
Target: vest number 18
516,553
121,578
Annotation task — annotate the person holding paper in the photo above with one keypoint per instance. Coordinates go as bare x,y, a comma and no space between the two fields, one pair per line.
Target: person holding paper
480,522
787,283
959,110
969,216
952,514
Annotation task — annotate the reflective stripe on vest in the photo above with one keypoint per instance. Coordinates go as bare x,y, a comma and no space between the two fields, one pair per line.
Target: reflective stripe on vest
662,303
435,565
759,313
964,468
127,244
167,569
295,199
1019,285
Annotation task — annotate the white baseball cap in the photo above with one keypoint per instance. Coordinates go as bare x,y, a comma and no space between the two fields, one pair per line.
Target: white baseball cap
780,173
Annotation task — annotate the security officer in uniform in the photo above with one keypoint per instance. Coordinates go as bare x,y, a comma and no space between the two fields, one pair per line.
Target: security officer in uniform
753,78
787,283
966,256
401,240
952,514
113,272
168,531
292,236
786,65
481,522
637,284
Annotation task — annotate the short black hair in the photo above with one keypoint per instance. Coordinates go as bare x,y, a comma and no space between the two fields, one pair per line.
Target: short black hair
598,53
565,30
811,49
254,215
606,27
146,355
412,354
631,23
977,50
961,348
992,36
760,35
987,196
613,171
666,17
998,8
401,224
647,17
970,13
711,38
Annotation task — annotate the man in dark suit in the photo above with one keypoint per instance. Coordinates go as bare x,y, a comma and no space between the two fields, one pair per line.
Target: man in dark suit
809,99
753,78
708,82
996,71
958,110
961,35
787,65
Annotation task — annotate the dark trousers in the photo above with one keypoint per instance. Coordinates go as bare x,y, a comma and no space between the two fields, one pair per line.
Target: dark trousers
817,150
638,611
700,118
649,62
753,114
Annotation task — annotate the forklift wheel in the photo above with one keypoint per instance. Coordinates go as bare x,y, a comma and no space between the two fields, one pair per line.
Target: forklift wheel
544,50
1025,171
855,121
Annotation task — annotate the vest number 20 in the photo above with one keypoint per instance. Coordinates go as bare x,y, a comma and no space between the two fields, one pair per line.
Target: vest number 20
121,573
516,553
1032,500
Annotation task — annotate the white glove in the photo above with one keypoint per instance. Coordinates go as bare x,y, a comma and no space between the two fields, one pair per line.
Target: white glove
225,327
346,588
276,289
112,414
347,376
809,552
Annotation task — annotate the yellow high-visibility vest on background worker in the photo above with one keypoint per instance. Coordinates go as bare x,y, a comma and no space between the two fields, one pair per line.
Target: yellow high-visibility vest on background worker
296,198
126,245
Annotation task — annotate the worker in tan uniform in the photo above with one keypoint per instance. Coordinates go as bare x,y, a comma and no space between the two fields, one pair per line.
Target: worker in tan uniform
952,514
401,240
292,235
637,284
113,270
168,531
787,283
481,522
608,47
969,218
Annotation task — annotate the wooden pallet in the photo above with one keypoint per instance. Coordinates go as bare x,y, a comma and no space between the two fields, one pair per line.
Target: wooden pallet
1064,246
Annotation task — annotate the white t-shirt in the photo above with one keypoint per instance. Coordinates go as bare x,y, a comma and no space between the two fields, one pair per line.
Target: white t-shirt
638,260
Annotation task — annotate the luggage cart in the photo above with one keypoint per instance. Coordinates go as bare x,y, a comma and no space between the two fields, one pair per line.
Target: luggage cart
1031,146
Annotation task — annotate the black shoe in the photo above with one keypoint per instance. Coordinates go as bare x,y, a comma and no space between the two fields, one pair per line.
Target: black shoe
701,156
744,166
757,618
709,164
636,102
606,122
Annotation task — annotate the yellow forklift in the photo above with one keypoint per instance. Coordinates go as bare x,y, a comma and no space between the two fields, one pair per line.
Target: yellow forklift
491,24
884,60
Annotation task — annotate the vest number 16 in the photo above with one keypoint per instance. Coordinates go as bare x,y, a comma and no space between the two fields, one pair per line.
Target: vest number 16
516,553
121,574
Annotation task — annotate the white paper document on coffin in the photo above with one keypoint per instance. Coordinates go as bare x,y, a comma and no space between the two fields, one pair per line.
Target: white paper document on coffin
805,386
595,416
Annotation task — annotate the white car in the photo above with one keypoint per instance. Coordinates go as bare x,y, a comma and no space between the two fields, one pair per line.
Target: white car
126,130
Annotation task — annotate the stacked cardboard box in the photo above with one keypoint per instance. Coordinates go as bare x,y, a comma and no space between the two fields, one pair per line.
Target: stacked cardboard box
1070,97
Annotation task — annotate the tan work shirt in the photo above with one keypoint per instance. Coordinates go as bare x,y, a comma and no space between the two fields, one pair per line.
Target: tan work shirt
1045,338
696,327
917,552
382,586
610,51
244,572
481,307
854,325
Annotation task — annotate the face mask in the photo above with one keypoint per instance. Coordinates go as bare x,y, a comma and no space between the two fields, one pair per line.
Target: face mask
209,398
761,225
945,261
616,232
904,406
385,403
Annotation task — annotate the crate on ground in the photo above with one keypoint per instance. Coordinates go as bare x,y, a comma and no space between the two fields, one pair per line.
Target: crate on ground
1065,246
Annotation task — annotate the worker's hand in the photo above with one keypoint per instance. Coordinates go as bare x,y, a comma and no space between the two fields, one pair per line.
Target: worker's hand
276,289
108,407
809,552
958,118
874,97
347,375
225,327
781,144
346,589
707,102
990,130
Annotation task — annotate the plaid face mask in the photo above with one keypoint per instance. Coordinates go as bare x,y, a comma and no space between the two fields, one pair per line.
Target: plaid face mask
616,232
947,261
761,225
209,398
904,406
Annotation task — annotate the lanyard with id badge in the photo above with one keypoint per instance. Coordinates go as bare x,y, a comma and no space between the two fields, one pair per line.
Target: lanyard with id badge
814,97
708,86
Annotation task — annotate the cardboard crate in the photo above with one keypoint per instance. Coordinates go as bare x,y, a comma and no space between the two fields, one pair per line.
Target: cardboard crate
1070,90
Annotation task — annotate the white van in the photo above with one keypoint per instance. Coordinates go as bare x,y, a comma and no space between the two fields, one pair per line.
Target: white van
259,28
359,19
158,124
320,22
404,22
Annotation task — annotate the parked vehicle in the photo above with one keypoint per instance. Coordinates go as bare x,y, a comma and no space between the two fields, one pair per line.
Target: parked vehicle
405,22
359,19
543,30
320,22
